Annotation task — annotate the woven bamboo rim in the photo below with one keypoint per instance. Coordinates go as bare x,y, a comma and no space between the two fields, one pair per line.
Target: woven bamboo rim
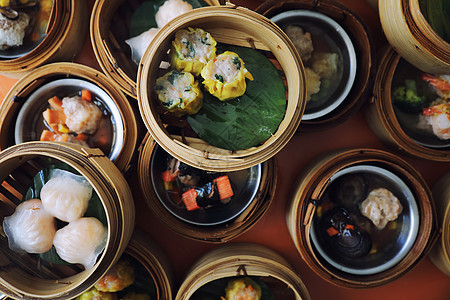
34,79
225,23
211,234
410,34
67,27
381,117
241,259
358,32
107,49
155,261
313,181
440,254
18,164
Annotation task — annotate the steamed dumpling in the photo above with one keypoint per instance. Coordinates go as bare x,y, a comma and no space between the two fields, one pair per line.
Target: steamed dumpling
139,44
81,241
169,10
81,116
30,228
66,195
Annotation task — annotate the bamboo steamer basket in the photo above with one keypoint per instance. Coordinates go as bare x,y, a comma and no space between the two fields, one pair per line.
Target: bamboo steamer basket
27,277
362,42
19,93
440,254
412,37
311,185
211,234
225,23
68,25
238,259
381,117
111,52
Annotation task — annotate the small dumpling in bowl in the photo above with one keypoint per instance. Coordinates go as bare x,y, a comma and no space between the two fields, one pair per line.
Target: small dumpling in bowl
82,116
66,195
169,10
81,241
30,228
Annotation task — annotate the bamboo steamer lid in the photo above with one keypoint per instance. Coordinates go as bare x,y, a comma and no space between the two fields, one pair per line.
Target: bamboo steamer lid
382,119
68,25
225,23
212,234
110,50
20,92
311,185
440,254
412,37
362,43
237,259
25,276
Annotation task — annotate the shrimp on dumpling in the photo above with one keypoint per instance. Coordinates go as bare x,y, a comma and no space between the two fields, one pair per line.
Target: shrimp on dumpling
30,228
81,241
66,195
82,116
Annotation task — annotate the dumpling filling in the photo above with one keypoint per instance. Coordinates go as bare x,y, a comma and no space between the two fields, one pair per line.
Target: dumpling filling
81,116
381,206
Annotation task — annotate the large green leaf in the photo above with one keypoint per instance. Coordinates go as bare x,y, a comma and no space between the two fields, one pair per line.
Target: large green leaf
144,17
248,120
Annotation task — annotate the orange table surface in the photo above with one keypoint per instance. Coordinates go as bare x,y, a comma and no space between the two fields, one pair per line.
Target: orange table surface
424,281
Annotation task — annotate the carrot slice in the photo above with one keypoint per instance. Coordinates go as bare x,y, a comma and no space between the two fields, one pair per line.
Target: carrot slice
224,187
82,137
52,116
349,226
190,199
86,95
332,231
55,103
169,176
47,135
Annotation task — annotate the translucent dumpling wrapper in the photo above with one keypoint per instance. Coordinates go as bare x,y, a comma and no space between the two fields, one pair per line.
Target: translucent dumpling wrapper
179,93
81,241
30,228
224,76
169,10
139,44
66,195
191,50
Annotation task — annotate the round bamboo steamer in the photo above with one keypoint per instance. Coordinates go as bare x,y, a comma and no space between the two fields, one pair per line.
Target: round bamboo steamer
412,37
239,259
226,24
16,96
362,42
68,25
308,190
109,49
440,254
212,234
27,277
381,117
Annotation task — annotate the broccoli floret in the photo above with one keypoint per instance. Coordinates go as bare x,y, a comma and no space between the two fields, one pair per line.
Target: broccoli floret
406,97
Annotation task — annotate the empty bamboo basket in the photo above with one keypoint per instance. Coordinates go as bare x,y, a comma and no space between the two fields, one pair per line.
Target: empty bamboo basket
212,234
67,26
410,34
28,277
17,97
440,254
307,196
361,39
244,259
229,25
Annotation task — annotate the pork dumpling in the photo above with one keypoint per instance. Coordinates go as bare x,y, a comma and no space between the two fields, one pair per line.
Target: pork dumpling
82,116
312,83
66,195
169,10
302,41
30,228
225,75
139,44
81,241
325,64
12,32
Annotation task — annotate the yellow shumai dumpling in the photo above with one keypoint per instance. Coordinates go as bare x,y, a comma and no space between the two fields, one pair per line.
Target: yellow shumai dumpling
191,50
242,288
178,93
225,76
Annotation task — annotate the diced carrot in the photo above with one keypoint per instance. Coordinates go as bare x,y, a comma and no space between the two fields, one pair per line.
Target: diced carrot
190,199
86,95
63,128
168,176
55,103
82,137
332,231
47,135
349,226
54,127
224,187
64,137
52,116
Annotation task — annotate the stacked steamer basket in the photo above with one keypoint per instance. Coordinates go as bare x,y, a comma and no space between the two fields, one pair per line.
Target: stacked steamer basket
59,41
108,37
21,110
338,183
210,275
354,45
29,275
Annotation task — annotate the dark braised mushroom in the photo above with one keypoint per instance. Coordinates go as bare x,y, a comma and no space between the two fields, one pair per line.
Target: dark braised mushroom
343,236
348,191
10,8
